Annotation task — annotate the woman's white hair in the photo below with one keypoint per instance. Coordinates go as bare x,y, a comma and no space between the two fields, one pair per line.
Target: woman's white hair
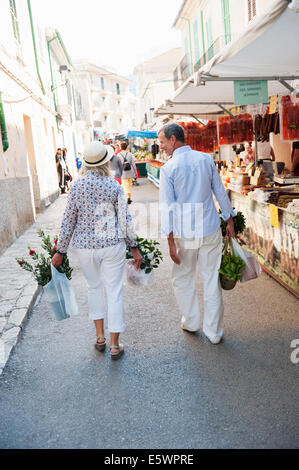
103,170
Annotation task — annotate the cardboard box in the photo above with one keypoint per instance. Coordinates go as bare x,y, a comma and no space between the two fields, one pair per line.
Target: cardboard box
257,181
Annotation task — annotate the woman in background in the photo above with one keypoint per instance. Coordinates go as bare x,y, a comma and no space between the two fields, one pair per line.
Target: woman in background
129,170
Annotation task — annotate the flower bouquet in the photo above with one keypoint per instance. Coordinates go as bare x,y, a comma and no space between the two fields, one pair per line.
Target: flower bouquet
56,282
41,264
152,257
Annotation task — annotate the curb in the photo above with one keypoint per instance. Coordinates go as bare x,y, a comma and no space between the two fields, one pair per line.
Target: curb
14,326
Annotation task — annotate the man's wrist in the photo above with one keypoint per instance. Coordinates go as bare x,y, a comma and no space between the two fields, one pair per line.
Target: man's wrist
60,253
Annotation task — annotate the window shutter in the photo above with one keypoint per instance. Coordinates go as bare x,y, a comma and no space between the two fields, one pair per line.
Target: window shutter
251,9
196,41
210,39
226,21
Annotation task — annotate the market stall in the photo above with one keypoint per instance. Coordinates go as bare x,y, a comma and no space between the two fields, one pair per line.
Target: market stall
142,156
233,91
153,172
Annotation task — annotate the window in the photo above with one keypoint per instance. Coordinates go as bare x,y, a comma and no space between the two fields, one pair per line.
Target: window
102,83
251,9
118,88
15,24
226,21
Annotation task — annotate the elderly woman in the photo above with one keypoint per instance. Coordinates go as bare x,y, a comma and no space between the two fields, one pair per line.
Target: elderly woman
98,219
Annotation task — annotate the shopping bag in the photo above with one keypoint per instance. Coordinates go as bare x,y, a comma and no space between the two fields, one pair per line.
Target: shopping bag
61,296
136,277
252,269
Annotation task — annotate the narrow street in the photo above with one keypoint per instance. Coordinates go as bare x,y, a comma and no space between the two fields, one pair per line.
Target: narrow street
171,389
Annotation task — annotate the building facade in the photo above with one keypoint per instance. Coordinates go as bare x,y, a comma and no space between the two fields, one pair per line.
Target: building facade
32,123
207,26
154,85
107,101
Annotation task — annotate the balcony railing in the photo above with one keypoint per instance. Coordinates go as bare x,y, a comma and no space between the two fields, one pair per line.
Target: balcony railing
181,73
214,49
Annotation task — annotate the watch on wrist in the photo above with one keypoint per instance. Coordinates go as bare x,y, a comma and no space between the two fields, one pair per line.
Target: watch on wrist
60,253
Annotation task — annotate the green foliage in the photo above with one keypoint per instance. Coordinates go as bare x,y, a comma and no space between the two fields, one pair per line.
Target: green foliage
150,252
239,224
41,266
231,266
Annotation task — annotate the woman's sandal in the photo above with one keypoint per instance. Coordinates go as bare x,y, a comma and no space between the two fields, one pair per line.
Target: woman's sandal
100,346
117,355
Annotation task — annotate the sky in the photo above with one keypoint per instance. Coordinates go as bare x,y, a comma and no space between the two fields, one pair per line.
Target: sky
116,33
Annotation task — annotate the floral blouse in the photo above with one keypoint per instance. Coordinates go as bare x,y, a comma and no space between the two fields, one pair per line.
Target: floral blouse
96,215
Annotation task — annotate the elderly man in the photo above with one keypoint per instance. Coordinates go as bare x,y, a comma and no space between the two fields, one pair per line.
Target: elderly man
191,222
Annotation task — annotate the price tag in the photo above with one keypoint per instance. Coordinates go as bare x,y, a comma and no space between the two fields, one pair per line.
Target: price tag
273,104
274,221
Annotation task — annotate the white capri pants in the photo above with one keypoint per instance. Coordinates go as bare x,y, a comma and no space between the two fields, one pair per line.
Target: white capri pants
104,271
204,255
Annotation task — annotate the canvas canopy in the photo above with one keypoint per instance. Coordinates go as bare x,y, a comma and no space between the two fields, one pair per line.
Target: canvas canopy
143,134
266,50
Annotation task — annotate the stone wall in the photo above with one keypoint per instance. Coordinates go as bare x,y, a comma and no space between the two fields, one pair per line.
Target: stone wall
16,211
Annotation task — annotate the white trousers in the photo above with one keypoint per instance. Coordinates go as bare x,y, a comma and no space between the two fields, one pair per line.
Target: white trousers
104,271
203,255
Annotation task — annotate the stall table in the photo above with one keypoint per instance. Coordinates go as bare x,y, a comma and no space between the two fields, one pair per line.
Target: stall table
141,165
153,172
276,246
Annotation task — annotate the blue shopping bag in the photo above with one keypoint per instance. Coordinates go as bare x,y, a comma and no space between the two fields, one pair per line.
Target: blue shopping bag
61,296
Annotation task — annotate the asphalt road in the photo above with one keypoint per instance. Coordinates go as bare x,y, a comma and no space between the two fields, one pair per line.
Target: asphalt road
171,389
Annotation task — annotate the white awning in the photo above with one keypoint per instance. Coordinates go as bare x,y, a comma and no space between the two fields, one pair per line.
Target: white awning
268,49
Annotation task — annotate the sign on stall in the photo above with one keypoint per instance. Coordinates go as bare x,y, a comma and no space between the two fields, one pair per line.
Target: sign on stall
273,104
274,219
250,92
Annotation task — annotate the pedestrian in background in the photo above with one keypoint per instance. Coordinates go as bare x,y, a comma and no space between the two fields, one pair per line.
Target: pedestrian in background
61,169
191,222
116,167
129,170
117,149
98,220
155,149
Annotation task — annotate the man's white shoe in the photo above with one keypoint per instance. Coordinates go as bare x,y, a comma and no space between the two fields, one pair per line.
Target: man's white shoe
189,331
214,340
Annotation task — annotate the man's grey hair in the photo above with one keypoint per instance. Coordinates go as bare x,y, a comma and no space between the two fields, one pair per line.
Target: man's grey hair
173,129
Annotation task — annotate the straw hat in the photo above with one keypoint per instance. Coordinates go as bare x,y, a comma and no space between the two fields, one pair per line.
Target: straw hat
97,154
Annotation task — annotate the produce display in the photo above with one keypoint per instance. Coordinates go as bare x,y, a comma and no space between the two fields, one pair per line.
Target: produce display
289,118
235,130
201,137
142,155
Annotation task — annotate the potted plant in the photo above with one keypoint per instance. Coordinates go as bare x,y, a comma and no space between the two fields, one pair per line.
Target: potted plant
231,269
